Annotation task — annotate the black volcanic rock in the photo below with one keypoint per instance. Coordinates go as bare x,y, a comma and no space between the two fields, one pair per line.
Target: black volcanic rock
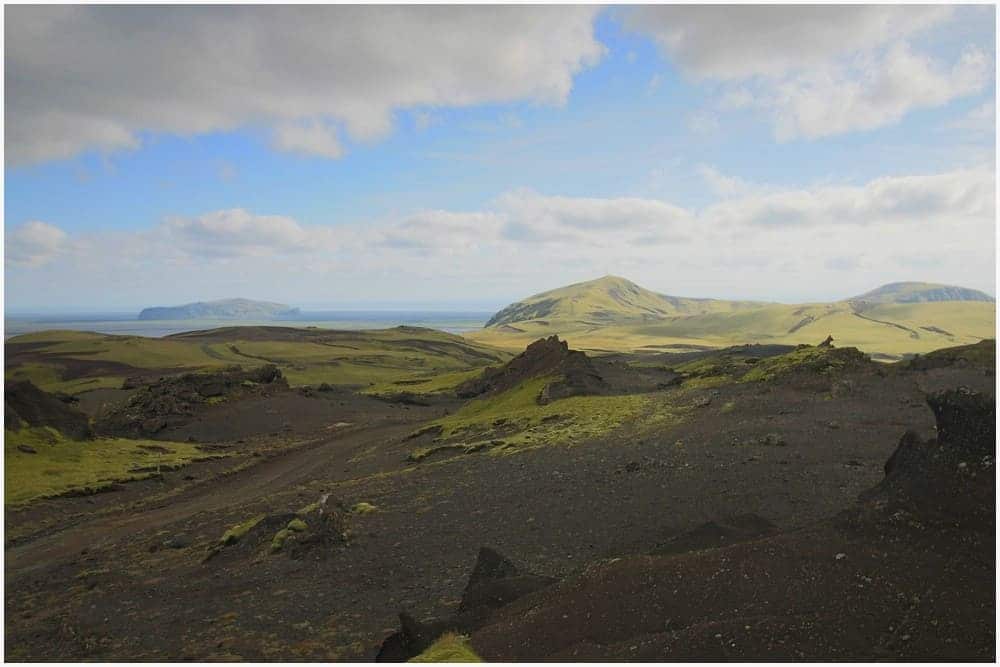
546,356
27,405
170,400
949,478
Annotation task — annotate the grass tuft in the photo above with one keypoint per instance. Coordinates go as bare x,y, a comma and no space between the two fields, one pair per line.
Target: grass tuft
237,532
449,647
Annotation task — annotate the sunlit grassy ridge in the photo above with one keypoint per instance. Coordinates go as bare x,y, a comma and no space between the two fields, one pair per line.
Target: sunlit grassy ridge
514,420
76,361
612,314
450,647
59,465
434,383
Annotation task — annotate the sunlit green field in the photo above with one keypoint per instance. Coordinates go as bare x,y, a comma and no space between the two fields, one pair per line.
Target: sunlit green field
74,361
54,465
890,330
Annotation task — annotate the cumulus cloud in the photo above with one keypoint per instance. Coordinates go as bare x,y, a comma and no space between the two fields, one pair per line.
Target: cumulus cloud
725,186
237,232
980,119
740,41
849,236
34,244
943,199
308,138
876,94
108,73
815,70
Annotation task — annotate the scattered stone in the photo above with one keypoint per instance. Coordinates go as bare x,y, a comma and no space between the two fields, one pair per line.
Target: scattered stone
178,542
27,449
840,556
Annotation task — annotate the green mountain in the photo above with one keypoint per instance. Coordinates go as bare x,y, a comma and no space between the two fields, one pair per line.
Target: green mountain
920,293
224,309
615,314
607,300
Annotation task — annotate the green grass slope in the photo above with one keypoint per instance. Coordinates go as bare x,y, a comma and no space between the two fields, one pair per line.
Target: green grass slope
75,361
607,300
41,462
612,314
913,292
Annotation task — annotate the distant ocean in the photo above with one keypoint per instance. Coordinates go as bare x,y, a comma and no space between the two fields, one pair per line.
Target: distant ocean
127,324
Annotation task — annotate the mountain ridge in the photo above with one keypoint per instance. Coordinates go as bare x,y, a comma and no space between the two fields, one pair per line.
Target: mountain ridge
647,302
613,314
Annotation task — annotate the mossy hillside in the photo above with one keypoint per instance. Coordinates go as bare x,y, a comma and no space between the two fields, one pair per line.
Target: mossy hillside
357,358
623,325
817,360
59,465
426,385
513,419
449,647
982,355
49,378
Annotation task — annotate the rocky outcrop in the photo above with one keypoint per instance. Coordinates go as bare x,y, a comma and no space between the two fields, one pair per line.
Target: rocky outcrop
550,356
950,477
494,582
26,405
168,401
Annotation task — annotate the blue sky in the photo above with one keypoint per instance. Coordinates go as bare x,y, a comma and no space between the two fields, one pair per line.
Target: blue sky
688,150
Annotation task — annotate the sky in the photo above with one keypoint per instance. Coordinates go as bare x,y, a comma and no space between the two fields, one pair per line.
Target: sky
466,157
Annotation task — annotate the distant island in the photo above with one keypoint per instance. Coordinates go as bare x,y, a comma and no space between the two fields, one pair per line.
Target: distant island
223,309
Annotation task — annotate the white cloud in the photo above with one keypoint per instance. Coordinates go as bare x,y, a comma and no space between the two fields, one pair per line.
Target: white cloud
848,238
726,186
876,94
981,119
703,122
732,42
237,232
943,199
310,137
34,244
82,77
816,70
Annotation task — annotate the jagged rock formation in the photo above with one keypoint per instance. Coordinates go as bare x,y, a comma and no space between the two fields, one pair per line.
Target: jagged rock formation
27,405
166,401
545,357
949,477
494,582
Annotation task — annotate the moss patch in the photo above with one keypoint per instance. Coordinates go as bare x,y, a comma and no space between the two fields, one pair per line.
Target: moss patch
819,360
60,466
236,533
516,418
363,508
298,525
449,647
